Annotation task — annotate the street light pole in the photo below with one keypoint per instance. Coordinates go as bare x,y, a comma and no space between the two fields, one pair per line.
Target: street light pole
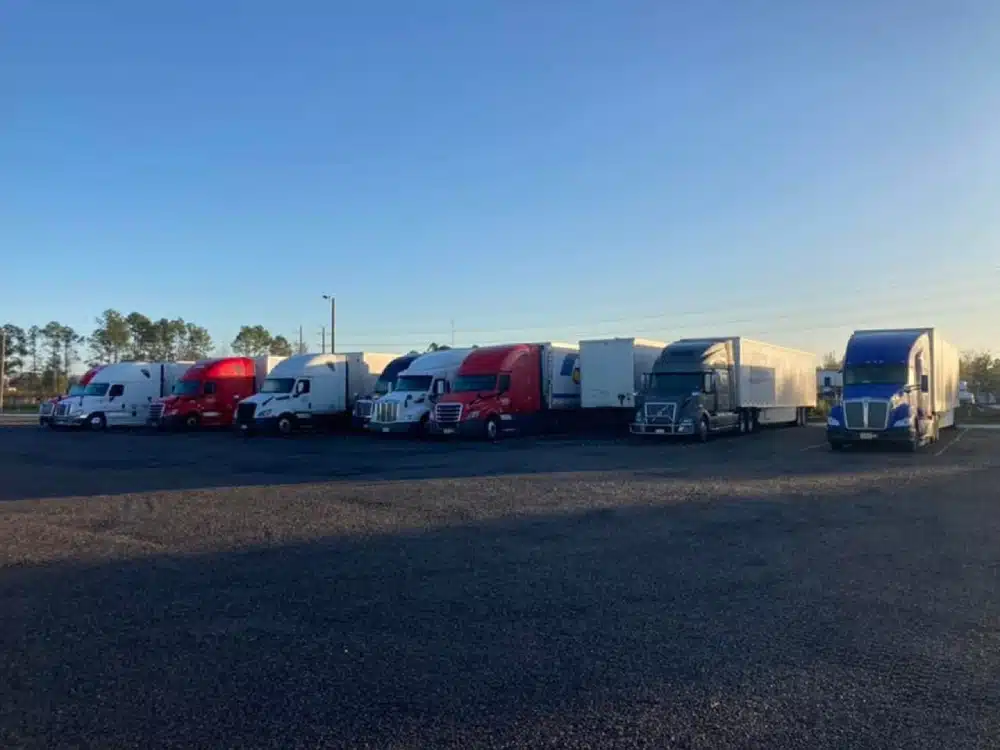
3,363
333,321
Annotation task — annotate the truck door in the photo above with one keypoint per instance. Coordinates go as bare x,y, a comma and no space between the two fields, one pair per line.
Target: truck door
210,389
923,400
116,410
725,416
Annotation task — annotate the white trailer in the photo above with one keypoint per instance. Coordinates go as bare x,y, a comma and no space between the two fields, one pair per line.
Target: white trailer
560,375
262,367
120,395
777,381
363,369
612,371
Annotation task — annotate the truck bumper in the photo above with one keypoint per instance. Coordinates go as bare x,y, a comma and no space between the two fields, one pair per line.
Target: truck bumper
74,421
660,430
360,423
394,428
467,428
840,436
44,420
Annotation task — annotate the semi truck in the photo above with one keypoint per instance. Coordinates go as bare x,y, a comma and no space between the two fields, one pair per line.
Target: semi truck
310,391
407,409
612,372
700,387
365,405
901,386
120,395
48,407
513,388
207,394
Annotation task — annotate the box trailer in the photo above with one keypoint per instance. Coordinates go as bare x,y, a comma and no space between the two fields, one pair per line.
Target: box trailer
612,371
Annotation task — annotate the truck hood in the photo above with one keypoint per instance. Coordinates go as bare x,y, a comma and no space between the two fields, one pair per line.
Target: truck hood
467,398
874,390
262,399
680,398
405,397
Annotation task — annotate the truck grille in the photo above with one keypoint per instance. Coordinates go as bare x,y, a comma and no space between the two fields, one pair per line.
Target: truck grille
155,412
866,415
447,413
385,411
363,408
46,409
245,413
62,410
659,413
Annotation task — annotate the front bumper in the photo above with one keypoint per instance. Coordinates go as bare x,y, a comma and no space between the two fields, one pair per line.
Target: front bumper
70,420
466,428
393,428
661,430
891,435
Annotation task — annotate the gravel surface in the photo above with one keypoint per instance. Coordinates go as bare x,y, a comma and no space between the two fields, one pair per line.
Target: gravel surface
212,592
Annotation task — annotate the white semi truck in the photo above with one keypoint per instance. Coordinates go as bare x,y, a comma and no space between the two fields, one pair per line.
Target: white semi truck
310,390
119,395
407,408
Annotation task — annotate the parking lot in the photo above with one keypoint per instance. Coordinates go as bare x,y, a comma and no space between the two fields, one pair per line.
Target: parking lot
205,590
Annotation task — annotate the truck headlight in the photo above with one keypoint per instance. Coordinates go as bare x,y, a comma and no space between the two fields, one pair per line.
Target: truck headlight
472,415
640,416
264,413
905,422
832,422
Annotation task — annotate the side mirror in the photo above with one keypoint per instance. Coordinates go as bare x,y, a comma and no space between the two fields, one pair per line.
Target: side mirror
925,384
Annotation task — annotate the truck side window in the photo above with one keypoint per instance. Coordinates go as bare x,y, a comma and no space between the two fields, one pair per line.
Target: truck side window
302,387
116,391
503,383
210,388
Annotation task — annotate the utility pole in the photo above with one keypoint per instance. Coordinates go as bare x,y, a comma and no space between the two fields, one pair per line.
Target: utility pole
333,321
322,339
302,349
452,333
3,364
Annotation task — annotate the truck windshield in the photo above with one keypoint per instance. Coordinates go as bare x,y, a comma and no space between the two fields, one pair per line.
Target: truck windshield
382,386
97,389
77,390
466,383
419,383
187,388
278,385
876,375
676,382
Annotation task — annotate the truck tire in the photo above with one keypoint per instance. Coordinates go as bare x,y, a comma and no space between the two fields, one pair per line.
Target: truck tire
286,424
192,422
704,432
492,429
97,423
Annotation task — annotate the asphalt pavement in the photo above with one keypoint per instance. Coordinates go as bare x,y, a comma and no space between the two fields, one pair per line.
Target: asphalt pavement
339,591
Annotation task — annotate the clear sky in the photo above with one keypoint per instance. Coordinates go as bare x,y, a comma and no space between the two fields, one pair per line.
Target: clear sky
531,170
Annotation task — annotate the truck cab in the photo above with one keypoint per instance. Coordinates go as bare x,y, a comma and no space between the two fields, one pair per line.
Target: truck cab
691,391
47,409
407,408
900,387
384,385
206,395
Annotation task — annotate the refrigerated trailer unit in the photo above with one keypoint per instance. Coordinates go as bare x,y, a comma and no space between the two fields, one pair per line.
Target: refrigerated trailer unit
728,384
901,386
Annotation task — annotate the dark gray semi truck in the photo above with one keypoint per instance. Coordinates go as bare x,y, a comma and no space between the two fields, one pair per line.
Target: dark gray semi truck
699,387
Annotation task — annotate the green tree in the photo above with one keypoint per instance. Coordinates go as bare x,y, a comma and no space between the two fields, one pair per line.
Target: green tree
196,344
252,341
13,349
280,347
831,361
980,370
31,341
56,340
142,337
109,341
434,347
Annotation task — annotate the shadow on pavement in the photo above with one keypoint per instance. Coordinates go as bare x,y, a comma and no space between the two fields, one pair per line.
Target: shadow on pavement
823,622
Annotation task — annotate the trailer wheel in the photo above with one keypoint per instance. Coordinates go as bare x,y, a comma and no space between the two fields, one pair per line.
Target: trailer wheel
97,422
286,424
492,428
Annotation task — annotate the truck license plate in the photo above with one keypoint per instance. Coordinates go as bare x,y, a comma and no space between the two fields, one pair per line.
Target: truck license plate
385,429
867,436
659,431
449,430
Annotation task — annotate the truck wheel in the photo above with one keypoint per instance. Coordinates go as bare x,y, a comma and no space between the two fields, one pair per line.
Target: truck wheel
191,422
492,428
286,424
97,422
703,430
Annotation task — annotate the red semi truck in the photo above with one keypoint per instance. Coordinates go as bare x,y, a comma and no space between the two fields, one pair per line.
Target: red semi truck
207,394
512,388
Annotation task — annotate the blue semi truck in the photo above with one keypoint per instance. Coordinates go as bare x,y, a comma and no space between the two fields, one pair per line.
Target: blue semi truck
900,387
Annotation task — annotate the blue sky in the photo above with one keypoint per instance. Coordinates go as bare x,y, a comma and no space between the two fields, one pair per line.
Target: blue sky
530,170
